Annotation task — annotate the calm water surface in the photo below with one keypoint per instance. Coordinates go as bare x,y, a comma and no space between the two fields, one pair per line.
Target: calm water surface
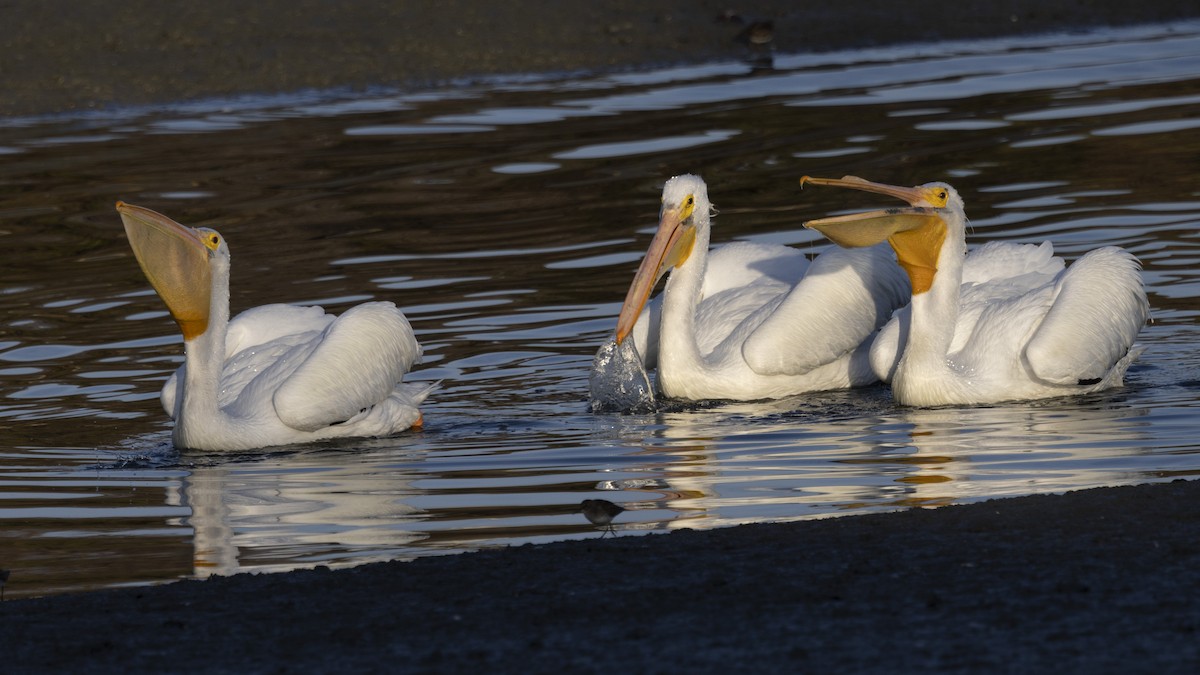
507,221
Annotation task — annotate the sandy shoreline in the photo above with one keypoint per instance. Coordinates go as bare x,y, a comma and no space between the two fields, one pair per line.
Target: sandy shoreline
1099,580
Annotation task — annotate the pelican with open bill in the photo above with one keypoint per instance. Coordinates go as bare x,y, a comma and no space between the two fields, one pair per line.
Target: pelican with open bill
276,374
1007,322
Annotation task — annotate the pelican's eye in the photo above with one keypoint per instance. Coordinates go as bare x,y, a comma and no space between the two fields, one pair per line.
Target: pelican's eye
211,239
689,205
937,196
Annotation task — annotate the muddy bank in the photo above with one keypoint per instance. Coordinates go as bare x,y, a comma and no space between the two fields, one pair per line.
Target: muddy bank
61,55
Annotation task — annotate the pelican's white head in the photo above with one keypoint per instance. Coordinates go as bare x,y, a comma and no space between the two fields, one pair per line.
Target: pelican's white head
916,233
678,190
685,209
178,261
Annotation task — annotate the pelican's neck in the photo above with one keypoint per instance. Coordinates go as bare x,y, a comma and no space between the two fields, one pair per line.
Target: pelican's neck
204,356
677,349
935,311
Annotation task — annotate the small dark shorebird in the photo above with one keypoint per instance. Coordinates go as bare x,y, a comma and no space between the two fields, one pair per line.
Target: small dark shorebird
601,512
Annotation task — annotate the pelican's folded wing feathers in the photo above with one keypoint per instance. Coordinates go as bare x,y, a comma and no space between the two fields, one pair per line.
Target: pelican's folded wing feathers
1005,261
1099,307
260,325
361,358
844,297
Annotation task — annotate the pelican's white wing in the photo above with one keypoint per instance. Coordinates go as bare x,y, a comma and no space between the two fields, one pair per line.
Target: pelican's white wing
1098,308
741,263
283,325
740,281
1007,261
355,364
269,322
845,295
999,272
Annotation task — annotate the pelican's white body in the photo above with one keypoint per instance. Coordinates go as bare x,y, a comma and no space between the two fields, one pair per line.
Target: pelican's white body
1011,322
753,321
277,374
288,374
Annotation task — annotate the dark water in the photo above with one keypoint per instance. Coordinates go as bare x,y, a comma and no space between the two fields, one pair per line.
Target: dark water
507,221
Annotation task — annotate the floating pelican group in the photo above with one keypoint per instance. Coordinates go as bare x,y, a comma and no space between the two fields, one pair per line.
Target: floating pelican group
275,374
1007,322
744,321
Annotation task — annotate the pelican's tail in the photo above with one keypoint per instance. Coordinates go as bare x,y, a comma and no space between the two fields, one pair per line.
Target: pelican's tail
415,393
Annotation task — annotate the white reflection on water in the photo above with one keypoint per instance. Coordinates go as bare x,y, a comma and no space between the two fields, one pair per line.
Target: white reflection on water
650,145
697,469
265,516
902,458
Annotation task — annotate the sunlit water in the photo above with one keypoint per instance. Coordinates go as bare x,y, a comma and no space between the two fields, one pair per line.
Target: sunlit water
507,221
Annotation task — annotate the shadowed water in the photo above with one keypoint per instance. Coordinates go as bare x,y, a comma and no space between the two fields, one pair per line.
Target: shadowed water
507,221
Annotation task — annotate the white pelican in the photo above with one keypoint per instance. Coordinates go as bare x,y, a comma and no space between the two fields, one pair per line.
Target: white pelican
1007,322
753,321
276,374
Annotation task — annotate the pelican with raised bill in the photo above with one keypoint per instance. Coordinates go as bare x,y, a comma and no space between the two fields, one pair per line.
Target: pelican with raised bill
752,321
1007,322
276,374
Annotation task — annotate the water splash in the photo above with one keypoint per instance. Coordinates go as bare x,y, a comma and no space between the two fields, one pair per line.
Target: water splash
618,381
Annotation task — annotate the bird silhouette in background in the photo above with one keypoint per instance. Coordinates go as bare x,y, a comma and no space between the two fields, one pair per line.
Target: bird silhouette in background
757,35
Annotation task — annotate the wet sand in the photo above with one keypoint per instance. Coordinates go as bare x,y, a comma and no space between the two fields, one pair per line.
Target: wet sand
1095,581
